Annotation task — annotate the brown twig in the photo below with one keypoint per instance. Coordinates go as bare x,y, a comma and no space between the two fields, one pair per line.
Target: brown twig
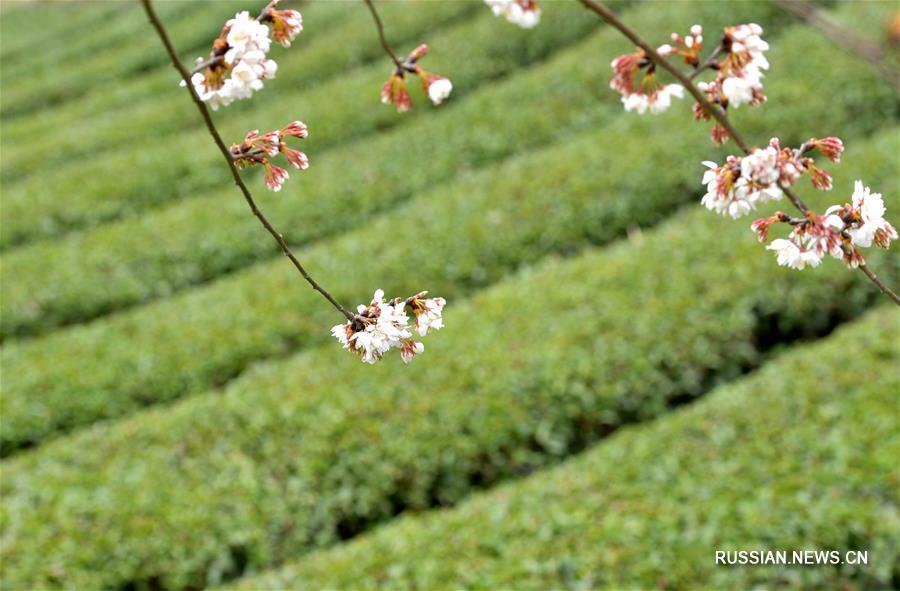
384,44
716,111
707,63
874,279
255,154
204,112
203,65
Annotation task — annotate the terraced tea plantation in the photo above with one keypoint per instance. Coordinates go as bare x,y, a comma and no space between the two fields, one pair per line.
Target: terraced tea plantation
626,382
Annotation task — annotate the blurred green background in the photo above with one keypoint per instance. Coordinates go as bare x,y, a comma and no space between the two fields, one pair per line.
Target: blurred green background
626,382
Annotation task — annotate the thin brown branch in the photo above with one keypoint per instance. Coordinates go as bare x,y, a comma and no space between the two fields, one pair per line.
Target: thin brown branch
716,111
255,154
203,65
204,112
384,44
884,288
869,52
707,63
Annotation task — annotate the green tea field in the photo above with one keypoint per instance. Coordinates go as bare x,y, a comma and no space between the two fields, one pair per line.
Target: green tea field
626,383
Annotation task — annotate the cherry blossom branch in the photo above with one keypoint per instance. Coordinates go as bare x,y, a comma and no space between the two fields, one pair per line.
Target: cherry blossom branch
384,43
808,13
714,110
204,112
718,113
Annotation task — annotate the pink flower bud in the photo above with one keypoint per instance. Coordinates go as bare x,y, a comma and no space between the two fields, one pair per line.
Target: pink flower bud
275,176
418,53
409,349
762,225
719,134
296,158
665,50
286,25
820,179
394,92
884,235
831,147
295,128
853,258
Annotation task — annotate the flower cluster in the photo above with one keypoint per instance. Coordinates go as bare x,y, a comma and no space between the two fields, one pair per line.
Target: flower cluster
688,47
382,326
810,240
739,78
646,94
840,233
257,149
394,90
740,184
740,73
239,61
863,219
524,13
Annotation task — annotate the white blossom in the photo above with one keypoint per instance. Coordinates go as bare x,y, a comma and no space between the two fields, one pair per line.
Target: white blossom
244,80
342,333
810,258
657,102
662,100
759,177
740,77
524,13
747,38
389,328
721,196
833,221
245,34
740,89
870,208
665,50
636,102
212,96
738,186
410,349
791,255
439,89
429,315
